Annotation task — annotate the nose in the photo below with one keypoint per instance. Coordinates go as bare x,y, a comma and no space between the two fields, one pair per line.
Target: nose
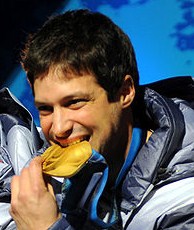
62,125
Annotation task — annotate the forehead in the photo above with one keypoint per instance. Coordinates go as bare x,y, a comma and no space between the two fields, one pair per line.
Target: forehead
60,74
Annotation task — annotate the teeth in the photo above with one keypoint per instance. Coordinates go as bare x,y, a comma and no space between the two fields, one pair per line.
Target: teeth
75,142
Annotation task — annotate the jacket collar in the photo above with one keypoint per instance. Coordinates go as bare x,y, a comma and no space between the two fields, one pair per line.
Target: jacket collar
165,116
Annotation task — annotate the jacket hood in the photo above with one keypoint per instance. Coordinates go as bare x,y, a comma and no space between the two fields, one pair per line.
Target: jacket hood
153,164
13,111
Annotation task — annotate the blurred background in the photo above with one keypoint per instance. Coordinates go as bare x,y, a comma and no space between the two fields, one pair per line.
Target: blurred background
162,32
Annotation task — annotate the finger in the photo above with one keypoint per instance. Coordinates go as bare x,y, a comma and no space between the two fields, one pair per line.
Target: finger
25,182
48,182
36,175
51,190
14,188
14,195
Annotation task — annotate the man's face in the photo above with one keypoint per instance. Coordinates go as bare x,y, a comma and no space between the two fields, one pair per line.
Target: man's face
75,108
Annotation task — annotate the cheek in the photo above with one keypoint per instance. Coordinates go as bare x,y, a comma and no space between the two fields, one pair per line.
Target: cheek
45,125
86,117
98,122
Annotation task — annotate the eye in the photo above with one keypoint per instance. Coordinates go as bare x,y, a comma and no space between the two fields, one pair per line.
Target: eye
76,103
44,109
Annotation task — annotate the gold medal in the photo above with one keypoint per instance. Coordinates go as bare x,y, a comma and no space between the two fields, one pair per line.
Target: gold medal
66,162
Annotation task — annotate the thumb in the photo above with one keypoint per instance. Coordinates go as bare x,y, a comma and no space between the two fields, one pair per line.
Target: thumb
47,180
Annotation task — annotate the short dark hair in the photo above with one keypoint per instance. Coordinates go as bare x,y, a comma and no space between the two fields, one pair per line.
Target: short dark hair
82,41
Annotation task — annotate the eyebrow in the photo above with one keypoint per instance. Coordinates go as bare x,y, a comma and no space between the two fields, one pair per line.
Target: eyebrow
66,98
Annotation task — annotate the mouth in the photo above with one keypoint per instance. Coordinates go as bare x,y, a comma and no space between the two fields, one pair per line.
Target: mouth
73,141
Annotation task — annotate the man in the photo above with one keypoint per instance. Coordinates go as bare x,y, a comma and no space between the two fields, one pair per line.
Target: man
84,76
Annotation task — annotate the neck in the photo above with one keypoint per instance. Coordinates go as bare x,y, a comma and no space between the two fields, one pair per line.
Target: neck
120,149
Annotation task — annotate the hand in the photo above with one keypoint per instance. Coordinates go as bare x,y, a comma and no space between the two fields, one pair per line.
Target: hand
33,204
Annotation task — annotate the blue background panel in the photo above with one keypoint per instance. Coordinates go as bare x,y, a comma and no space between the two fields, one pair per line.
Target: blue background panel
162,32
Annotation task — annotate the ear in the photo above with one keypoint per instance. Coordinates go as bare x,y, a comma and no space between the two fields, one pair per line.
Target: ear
127,91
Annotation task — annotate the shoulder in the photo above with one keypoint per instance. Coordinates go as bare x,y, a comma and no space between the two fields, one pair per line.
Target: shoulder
181,218
168,207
